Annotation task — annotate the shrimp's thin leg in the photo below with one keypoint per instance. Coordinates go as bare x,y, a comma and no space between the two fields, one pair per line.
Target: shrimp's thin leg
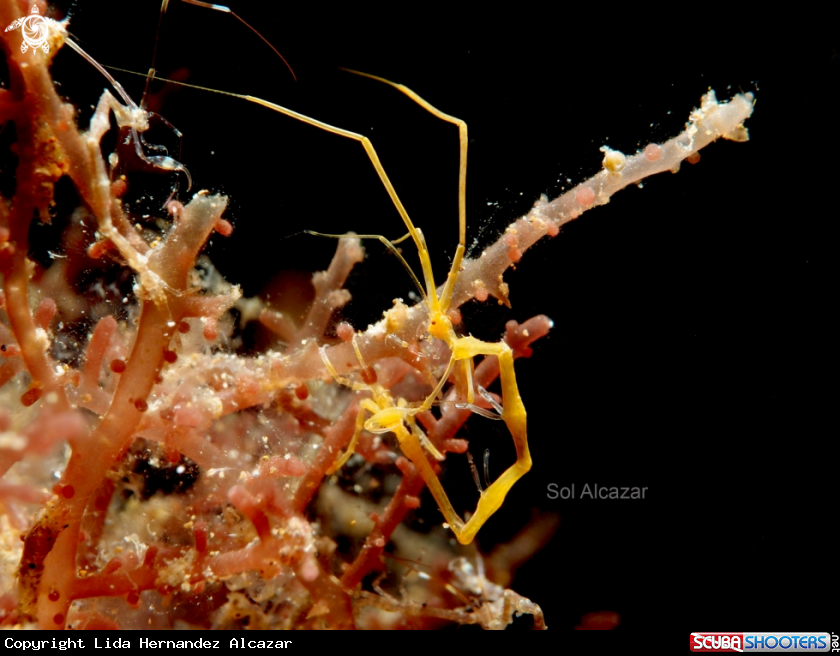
514,416
390,245
367,405
442,303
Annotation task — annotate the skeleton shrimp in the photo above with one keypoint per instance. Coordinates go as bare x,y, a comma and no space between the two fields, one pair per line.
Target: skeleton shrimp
390,417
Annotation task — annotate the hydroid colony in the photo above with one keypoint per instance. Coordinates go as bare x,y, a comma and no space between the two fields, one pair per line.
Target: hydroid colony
161,469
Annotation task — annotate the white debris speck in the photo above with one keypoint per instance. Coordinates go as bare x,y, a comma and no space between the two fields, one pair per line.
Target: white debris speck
12,441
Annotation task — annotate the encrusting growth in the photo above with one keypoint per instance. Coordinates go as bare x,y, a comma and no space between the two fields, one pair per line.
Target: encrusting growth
195,485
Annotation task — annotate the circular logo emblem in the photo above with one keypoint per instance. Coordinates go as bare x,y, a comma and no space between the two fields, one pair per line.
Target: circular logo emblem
35,30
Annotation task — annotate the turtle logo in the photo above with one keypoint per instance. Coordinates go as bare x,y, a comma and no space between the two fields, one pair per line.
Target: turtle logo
35,30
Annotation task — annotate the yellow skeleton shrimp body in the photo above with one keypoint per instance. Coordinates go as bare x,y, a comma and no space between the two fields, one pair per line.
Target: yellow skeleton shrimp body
398,418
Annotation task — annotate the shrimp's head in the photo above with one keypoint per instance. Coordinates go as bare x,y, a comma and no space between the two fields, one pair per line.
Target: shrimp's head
387,420
440,326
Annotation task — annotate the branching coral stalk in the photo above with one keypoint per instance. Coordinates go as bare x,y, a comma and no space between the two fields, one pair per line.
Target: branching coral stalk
712,121
330,296
50,146
93,457
483,277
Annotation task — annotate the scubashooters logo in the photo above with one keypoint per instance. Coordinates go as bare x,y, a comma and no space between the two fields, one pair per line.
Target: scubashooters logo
761,642
35,30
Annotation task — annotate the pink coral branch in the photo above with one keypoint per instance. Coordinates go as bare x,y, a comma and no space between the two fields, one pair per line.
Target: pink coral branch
91,459
706,124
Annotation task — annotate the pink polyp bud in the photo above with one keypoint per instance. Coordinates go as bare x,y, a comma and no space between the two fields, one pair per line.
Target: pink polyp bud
112,566
368,375
175,209
411,502
585,196
455,445
652,152
243,500
383,457
188,416
118,188
283,466
171,453
405,465
200,535
247,385
224,228
210,329
309,569
31,396
344,331
99,249
149,558
45,313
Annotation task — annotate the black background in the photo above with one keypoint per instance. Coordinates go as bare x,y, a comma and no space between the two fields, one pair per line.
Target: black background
692,348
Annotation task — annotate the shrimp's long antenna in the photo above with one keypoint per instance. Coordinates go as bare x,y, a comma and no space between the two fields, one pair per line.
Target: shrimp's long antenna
163,7
228,10
416,235
388,243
